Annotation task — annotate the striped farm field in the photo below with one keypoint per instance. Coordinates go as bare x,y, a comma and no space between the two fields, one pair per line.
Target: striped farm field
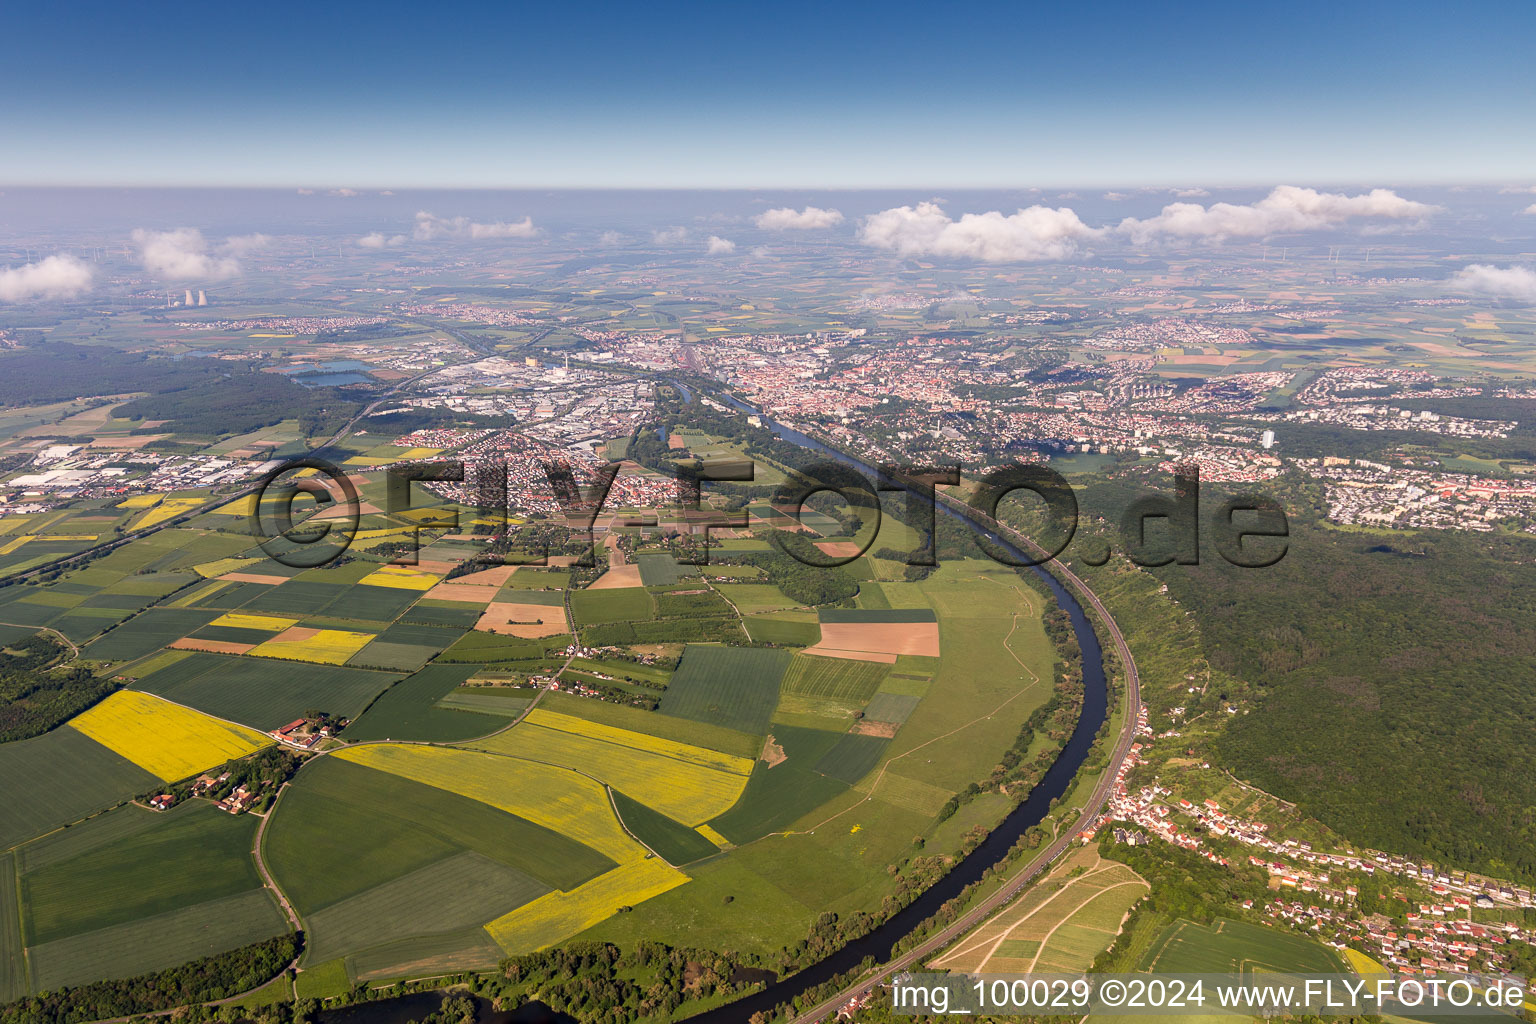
557,798
267,623
401,578
559,915
168,508
323,646
690,784
164,739
463,890
840,678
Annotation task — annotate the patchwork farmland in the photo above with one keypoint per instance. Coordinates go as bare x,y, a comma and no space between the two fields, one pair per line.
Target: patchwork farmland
484,763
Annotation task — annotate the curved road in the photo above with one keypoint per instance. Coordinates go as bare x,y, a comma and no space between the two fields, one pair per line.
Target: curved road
990,905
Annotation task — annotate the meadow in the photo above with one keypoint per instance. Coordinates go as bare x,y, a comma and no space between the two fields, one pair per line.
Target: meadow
624,604
560,915
669,838
409,709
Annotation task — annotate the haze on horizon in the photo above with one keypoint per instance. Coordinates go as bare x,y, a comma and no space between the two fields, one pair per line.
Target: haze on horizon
387,95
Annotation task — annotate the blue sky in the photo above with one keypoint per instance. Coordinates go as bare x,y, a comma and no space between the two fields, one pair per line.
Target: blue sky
390,95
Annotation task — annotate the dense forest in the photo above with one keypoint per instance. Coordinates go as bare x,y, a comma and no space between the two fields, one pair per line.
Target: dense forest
35,695
1393,676
59,371
245,401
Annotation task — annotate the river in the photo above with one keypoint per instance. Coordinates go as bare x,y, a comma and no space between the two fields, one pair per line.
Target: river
1057,782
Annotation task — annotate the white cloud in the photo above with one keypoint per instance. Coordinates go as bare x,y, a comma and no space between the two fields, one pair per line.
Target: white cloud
1517,283
669,236
429,228
1518,190
181,255
610,238
1530,209
1286,209
57,277
1190,193
717,246
377,240
787,218
1037,233
344,193
305,191
1115,197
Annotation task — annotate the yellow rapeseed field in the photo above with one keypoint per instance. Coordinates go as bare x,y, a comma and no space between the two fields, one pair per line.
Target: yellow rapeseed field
713,836
169,508
141,501
239,507
239,620
165,739
324,646
15,542
557,798
400,577
218,567
687,783
559,915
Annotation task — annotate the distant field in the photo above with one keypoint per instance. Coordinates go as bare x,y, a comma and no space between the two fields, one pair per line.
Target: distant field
659,569
683,730
750,598
778,629
626,604
251,692
409,710
468,949
13,964
147,632
732,686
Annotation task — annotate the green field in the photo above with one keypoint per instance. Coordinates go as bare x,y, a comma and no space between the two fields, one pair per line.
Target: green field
623,604
1237,947
409,710
839,678
460,891
155,943
736,687
780,629
253,691
133,864
852,757
489,700
148,632
709,735
59,777
777,797
322,980
659,569
13,964
675,842
750,598
468,949
341,829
